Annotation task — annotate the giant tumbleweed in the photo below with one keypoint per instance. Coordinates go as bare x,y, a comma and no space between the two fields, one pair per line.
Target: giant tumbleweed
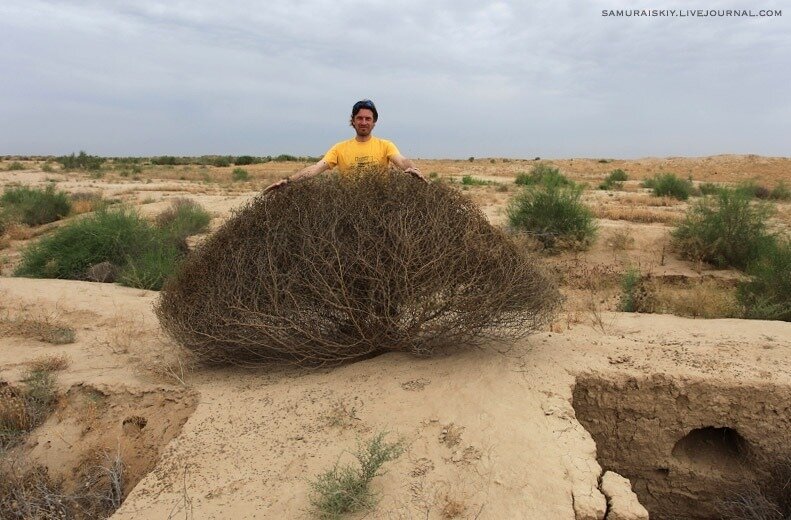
339,267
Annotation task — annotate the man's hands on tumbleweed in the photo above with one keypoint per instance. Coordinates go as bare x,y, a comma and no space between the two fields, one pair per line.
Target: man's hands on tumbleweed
414,172
277,185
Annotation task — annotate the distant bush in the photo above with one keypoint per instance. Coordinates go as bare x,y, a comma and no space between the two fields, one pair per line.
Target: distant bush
16,165
471,159
33,206
667,184
553,214
780,192
336,268
709,188
285,158
725,230
469,180
767,295
753,190
165,160
47,167
240,174
83,161
222,161
183,218
614,180
542,174
244,160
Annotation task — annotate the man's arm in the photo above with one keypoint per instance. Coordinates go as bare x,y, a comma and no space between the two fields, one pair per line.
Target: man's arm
304,173
408,166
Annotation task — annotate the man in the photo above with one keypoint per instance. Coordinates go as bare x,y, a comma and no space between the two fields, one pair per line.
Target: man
363,150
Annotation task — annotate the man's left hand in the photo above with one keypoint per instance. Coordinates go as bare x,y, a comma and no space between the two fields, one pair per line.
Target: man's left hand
414,172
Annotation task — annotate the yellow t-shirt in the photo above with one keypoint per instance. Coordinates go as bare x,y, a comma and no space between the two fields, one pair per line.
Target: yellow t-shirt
350,154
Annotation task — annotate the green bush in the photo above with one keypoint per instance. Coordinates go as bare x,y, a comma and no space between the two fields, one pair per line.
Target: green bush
35,206
709,188
667,184
183,218
469,180
345,489
240,174
83,161
285,158
767,295
222,161
553,213
753,190
542,174
725,230
151,267
15,166
244,160
615,180
780,192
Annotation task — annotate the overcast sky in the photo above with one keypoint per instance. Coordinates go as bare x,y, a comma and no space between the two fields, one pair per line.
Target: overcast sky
451,78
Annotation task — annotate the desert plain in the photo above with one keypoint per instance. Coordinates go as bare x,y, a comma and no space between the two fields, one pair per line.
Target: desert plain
547,427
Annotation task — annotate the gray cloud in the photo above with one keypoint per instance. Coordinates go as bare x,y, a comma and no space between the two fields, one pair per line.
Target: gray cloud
450,78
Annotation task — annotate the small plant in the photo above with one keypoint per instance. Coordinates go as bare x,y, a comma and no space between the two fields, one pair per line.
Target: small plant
636,294
542,174
614,180
709,188
553,214
471,159
35,206
767,295
240,174
725,230
183,218
45,330
345,489
25,406
469,180
780,192
15,166
667,184
47,167
86,202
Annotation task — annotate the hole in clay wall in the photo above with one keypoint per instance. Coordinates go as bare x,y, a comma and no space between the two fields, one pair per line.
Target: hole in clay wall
712,449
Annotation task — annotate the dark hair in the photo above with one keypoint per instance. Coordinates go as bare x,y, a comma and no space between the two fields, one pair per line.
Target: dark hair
365,103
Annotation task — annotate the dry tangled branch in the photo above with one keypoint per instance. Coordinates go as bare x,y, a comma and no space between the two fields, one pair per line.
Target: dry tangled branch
337,268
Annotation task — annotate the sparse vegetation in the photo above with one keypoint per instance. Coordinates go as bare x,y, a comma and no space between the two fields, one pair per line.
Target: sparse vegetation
34,207
83,161
668,184
469,180
766,498
25,406
780,192
240,174
42,329
346,488
637,295
15,166
553,213
183,218
614,180
725,230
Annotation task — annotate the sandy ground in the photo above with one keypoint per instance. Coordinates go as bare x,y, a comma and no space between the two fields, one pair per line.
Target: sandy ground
490,432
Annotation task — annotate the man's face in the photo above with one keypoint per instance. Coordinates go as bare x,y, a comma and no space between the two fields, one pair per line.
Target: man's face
363,122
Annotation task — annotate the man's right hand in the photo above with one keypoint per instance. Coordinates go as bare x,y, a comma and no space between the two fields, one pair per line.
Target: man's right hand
277,185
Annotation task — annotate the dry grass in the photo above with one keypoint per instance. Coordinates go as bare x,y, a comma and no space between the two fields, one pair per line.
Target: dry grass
45,329
621,239
342,414
635,214
451,435
20,232
51,363
646,200
697,299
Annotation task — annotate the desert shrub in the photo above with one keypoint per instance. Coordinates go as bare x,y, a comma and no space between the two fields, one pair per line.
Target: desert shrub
336,268
752,189
345,489
780,192
667,184
119,236
47,167
709,188
637,295
222,161
614,180
183,218
244,160
767,295
725,230
25,406
469,180
239,174
542,174
283,157
553,214
15,166
35,206
83,161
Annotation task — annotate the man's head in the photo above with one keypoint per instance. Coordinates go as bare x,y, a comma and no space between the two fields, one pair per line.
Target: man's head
364,117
